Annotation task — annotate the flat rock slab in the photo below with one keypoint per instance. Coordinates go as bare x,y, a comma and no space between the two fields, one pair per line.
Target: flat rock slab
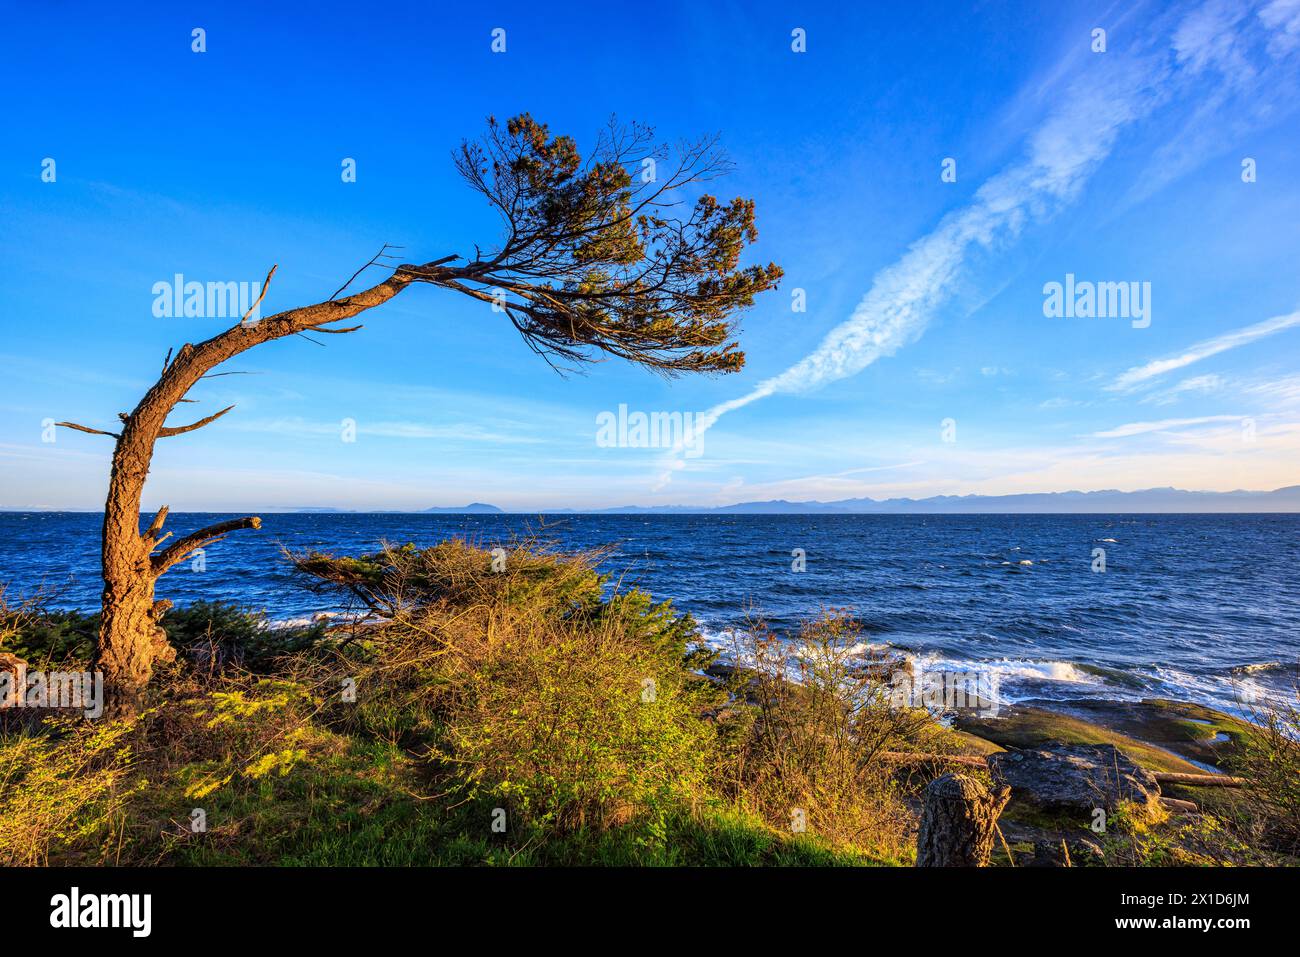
1075,777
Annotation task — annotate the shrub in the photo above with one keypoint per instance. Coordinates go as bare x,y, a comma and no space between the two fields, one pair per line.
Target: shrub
217,636
1269,760
41,636
578,727
63,788
244,731
816,727
525,683
398,583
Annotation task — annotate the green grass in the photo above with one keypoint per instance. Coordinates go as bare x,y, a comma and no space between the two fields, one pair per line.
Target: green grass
362,808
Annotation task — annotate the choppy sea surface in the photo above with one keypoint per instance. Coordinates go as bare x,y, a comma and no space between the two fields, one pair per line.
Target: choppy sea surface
1198,607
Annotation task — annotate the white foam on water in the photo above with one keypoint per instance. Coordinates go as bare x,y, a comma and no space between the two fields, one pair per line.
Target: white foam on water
303,621
1022,679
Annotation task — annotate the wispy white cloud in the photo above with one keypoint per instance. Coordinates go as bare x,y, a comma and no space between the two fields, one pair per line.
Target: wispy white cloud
467,432
1214,37
1164,425
1061,156
905,296
1203,350
1282,393
1245,50
1283,18
1199,383
1202,384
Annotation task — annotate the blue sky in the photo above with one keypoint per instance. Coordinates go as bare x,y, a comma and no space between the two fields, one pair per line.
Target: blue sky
924,297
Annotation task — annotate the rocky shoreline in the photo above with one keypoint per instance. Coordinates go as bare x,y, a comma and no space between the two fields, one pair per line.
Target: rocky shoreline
1158,733
1072,767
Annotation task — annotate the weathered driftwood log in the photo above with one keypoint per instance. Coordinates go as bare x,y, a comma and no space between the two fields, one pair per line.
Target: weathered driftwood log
1200,780
959,822
911,757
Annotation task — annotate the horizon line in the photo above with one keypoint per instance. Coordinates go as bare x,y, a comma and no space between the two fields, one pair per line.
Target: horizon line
847,506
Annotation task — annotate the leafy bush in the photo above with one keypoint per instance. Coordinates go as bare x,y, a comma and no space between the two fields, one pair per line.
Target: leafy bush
1270,761
39,635
527,685
217,635
63,789
223,635
578,728
400,582
246,732
816,727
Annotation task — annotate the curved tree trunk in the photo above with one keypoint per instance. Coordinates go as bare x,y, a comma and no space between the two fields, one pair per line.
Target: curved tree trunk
131,640
672,287
958,823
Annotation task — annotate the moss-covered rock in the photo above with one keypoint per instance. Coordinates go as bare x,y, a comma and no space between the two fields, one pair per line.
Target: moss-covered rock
1023,726
1199,734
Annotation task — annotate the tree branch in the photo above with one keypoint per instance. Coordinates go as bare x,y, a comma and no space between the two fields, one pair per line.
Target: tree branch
182,547
374,259
167,431
265,285
86,428
156,525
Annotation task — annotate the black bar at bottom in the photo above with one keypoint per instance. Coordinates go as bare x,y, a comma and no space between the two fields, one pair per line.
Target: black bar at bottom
216,906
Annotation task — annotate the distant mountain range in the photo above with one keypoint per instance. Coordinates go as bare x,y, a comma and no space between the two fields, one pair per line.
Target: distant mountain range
1105,501
473,508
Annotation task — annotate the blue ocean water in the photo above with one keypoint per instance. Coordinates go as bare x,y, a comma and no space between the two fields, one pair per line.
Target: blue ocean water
1191,606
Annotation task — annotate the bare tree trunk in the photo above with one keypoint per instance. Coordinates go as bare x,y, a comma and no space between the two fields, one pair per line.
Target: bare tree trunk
130,638
958,823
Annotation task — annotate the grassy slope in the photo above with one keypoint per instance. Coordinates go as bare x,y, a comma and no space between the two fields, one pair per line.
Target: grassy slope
363,804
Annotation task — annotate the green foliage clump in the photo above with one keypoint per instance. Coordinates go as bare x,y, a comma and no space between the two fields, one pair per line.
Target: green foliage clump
527,684
216,633
64,790
1270,762
808,756
579,729
225,634
39,635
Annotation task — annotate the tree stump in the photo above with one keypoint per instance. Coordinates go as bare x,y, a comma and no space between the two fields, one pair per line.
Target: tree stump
959,822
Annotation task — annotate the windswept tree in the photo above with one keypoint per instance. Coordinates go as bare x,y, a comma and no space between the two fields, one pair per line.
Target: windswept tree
607,255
